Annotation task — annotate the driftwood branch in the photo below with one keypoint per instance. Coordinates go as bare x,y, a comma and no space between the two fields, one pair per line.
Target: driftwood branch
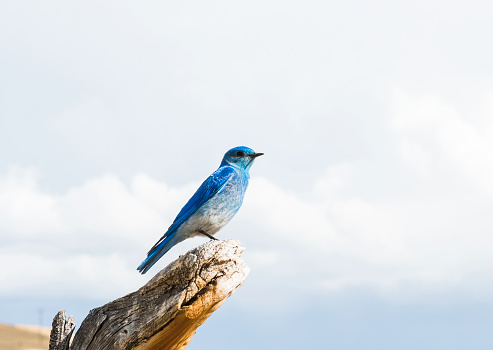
61,331
164,313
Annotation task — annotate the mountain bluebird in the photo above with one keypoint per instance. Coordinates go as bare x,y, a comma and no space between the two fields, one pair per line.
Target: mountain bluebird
213,205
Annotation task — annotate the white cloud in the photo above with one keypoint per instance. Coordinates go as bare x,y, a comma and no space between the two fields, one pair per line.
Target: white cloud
416,156
336,179
24,208
432,129
91,234
98,231
289,217
81,275
111,207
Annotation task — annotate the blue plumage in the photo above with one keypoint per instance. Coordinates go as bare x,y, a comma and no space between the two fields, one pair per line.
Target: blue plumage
212,206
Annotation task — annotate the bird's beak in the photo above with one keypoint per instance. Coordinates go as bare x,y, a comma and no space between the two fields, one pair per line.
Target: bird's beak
255,155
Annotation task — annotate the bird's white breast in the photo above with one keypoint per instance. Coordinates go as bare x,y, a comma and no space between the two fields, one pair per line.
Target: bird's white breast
214,214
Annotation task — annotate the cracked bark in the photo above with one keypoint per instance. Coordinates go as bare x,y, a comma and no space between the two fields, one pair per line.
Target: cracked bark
61,331
164,313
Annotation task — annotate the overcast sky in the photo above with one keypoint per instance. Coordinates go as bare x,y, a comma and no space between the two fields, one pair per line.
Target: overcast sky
367,224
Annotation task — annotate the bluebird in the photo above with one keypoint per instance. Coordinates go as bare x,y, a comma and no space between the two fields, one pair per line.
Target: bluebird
212,206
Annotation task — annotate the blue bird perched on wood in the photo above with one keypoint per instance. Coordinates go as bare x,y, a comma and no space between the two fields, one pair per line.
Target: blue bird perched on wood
214,204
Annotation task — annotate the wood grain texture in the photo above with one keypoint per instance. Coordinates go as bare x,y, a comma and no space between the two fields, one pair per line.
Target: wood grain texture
165,313
61,331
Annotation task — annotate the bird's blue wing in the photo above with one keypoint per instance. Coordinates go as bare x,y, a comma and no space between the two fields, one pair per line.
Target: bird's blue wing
211,186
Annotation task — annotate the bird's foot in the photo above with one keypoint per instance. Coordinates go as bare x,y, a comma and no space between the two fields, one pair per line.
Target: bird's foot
208,235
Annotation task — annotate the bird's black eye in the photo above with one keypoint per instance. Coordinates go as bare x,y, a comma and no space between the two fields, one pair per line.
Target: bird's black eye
240,154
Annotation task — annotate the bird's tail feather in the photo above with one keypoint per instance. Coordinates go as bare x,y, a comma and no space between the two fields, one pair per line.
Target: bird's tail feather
155,254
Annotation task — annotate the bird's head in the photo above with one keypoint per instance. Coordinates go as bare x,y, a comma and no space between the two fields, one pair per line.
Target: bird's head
241,157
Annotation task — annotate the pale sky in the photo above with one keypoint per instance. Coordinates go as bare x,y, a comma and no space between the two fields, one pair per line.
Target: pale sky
367,224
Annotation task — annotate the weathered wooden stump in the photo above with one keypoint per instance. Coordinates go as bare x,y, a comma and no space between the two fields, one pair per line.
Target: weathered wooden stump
164,313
